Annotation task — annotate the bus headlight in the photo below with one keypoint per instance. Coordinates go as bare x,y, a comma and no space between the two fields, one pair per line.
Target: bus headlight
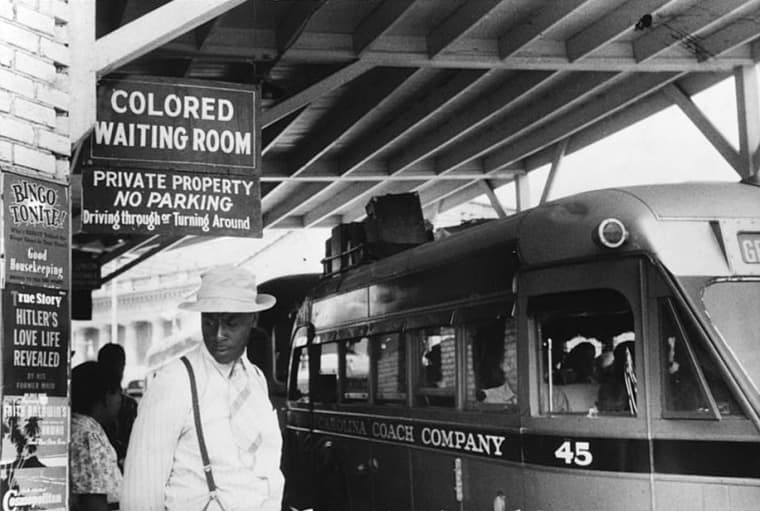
611,233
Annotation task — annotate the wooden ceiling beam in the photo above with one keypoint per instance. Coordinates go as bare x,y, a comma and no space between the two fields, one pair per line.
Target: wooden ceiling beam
621,120
683,29
295,22
584,115
379,22
411,51
469,118
153,29
314,91
350,111
575,89
271,134
413,117
295,198
441,182
110,15
602,105
201,35
348,193
446,195
620,20
740,32
628,115
378,176
541,21
458,25
465,120
704,125
341,199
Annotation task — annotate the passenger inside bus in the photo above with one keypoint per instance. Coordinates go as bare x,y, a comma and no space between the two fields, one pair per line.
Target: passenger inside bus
492,364
583,366
437,367
581,386
617,393
690,374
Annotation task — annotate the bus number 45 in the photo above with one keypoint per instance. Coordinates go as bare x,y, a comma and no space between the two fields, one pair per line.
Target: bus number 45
574,452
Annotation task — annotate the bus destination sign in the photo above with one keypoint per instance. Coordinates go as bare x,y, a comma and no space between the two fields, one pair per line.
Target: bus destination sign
178,203
749,246
190,125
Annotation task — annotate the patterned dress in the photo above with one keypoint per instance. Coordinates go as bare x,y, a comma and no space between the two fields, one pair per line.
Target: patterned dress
93,460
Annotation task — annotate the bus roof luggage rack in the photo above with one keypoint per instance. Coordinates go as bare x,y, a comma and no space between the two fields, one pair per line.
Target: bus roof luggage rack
394,223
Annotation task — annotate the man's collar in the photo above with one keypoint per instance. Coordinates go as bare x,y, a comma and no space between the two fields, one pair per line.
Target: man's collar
224,369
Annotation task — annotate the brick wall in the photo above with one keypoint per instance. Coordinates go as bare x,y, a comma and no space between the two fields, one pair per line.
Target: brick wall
34,86
391,368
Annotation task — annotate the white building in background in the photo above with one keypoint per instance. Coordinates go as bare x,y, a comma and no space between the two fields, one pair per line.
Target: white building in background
142,302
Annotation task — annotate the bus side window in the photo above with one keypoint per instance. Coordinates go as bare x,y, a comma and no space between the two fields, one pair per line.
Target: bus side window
326,382
390,367
491,350
355,355
687,369
436,367
587,353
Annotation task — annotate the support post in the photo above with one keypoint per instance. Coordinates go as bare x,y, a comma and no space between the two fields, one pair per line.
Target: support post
82,70
748,115
522,192
559,155
708,129
495,204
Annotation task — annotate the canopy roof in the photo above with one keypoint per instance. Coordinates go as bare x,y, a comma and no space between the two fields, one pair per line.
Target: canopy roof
449,98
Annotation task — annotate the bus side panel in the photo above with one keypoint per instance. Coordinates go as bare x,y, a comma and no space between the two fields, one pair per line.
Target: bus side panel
679,493
392,479
434,481
298,468
566,490
487,482
345,477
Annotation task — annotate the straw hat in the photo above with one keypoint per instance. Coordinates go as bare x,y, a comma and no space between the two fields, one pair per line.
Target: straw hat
229,289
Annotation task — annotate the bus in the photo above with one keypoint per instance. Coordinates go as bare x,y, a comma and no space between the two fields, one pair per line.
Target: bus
600,351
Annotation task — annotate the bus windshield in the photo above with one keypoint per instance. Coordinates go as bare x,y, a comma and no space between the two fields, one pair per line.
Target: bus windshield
733,308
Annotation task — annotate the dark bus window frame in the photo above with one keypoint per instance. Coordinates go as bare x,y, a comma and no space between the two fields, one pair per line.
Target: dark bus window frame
477,399
579,392
427,396
401,398
622,274
302,338
703,358
343,377
668,313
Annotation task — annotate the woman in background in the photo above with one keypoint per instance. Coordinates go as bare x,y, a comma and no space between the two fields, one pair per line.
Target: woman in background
95,402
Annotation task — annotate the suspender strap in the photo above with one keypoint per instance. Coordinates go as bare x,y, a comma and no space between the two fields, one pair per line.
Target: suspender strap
199,429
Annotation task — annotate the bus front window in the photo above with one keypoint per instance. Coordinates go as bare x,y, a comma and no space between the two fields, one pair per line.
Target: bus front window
587,353
733,308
